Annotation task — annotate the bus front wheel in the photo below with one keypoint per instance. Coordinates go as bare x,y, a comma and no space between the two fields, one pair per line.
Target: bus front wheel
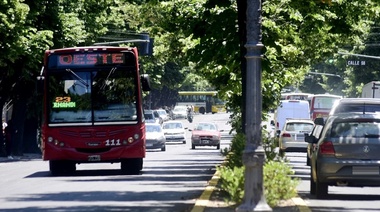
131,166
61,167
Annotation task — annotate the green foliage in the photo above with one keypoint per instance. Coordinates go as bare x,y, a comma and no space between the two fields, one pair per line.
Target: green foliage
234,154
232,182
278,183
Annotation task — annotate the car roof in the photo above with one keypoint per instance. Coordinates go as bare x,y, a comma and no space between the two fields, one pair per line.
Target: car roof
359,100
351,115
171,121
299,120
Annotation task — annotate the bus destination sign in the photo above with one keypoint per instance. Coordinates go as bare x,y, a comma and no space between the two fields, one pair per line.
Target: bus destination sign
89,59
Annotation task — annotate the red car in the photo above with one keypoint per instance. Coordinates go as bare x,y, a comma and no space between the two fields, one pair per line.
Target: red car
205,134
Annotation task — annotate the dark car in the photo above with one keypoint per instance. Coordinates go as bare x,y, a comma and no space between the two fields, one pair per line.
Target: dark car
356,105
311,140
205,134
347,153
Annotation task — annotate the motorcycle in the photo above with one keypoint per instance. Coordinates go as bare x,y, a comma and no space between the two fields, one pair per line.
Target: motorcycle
190,117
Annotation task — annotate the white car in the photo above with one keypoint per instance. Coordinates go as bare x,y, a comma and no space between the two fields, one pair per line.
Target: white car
155,138
180,112
174,131
292,136
163,114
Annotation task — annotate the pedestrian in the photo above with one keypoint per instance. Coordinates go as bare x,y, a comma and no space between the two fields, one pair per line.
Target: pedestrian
8,139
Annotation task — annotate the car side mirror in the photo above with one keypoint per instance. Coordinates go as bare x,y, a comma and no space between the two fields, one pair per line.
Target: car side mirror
278,132
319,121
145,82
310,139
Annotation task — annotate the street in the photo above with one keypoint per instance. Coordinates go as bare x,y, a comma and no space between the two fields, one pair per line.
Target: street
170,180
339,198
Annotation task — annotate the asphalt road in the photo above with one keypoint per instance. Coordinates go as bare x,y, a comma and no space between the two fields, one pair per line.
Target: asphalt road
170,181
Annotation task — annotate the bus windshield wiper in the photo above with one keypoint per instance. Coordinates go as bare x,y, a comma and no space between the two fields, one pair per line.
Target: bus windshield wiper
78,77
106,80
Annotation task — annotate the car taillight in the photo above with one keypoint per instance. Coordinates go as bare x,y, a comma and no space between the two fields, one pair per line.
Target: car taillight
287,135
327,148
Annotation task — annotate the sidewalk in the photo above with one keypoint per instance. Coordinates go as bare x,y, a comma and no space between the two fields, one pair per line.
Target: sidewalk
24,157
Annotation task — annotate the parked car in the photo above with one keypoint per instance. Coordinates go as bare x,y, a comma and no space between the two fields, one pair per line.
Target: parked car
163,114
205,134
174,131
180,112
292,135
347,153
155,138
357,105
152,116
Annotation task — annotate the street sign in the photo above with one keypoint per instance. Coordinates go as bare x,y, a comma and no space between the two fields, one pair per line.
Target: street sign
356,62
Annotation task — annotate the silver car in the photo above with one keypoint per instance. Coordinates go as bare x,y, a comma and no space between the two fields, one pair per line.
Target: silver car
347,153
292,135
155,138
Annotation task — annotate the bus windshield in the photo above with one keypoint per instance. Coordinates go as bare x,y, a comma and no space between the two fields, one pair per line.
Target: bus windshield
106,94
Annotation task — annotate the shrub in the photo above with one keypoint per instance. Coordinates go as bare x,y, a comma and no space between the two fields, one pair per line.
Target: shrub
278,184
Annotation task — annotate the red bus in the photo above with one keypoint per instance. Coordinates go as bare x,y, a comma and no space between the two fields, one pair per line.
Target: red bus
321,104
92,108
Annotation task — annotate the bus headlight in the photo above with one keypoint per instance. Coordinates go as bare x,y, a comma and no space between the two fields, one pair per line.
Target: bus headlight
136,136
130,140
50,139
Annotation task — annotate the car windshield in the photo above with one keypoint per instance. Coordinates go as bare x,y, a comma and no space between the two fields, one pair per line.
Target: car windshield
172,126
153,128
161,112
206,127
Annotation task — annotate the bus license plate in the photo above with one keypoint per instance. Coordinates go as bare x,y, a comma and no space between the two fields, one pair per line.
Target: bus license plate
94,158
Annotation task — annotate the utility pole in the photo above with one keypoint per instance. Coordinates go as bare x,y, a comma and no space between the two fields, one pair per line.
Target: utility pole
254,154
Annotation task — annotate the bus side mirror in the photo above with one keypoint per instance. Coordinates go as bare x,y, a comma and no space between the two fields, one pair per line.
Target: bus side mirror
145,82
40,84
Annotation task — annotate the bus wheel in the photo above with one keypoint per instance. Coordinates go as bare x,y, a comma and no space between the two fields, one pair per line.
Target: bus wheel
60,167
202,110
131,166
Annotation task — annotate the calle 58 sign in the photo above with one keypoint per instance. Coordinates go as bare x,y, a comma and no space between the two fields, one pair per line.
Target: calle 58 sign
356,62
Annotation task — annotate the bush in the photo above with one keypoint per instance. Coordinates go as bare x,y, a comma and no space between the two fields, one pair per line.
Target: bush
278,184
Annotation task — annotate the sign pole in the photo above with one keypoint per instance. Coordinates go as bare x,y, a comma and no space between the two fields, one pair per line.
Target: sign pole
254,154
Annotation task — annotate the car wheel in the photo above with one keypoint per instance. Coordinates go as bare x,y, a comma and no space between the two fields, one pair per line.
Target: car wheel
184,142
218,146
192,146
312,184
321,190
307,160
163,148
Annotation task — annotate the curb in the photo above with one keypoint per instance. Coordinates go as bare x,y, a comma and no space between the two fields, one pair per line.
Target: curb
301,204
204,199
